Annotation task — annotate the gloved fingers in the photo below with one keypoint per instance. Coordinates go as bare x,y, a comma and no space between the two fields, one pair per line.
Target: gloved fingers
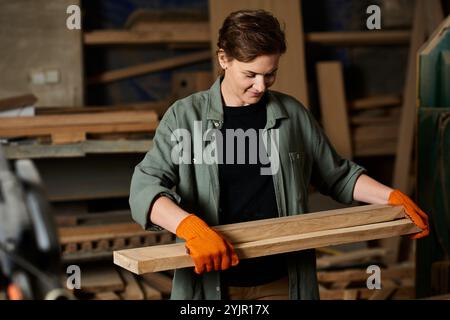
419,211
209,265
226,260
199,261
217,261
422,234
233,255
199,266
417,219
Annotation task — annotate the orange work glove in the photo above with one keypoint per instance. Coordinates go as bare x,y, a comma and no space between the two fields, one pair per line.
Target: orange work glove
417,216
209,249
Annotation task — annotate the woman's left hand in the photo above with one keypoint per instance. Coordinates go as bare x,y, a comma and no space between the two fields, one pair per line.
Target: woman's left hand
417,216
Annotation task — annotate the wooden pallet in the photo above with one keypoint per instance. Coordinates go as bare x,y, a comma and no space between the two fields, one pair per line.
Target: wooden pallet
101,240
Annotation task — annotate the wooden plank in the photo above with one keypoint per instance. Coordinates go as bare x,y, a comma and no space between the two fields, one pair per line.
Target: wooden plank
158,106
100,128
370,148
368,118
81,149
82,119
333,106
350,295
106,296
83,218
73,127
439,297
291,77
375,132
383,294
147,68
359,275
152,33
345,258
101,232
406,130
17,102
100,279
68,137
375,102
365,294
325,220
358,38
158,258
401,179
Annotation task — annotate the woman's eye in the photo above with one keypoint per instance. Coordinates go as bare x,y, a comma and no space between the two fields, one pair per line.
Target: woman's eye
250,75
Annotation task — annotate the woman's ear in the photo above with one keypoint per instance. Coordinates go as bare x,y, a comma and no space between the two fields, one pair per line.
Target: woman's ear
222,57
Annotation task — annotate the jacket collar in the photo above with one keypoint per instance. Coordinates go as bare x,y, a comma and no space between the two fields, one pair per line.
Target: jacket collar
275,110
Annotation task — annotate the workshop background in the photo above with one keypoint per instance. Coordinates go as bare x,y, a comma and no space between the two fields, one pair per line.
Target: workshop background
83,106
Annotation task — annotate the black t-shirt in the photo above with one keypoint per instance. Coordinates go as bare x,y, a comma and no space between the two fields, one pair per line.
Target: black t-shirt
245,194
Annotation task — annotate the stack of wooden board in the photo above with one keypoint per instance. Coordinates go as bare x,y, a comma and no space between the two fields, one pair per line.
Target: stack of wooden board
359,128
280,235
71,128
97,241
106,282
352,274
397,283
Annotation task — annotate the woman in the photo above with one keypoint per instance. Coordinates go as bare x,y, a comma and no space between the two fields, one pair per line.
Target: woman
235,188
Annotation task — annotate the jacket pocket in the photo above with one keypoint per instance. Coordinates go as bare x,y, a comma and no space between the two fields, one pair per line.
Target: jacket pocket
297,160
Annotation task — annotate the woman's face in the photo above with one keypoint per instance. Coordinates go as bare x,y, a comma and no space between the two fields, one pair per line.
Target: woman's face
245,82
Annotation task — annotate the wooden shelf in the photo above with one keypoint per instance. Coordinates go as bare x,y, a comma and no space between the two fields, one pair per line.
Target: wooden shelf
80,149
359,38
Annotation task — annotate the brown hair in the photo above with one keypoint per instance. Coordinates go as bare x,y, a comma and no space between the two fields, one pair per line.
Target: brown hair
247,34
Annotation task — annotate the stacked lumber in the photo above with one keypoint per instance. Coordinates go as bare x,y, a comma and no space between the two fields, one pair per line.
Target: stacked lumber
375,130
358,128
397,281
17,102
280,235
74,127
98,241
106,282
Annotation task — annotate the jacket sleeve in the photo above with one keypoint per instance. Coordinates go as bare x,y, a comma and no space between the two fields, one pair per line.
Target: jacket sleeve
156,174
332,175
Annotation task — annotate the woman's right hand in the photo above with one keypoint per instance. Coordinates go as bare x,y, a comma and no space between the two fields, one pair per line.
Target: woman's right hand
209,250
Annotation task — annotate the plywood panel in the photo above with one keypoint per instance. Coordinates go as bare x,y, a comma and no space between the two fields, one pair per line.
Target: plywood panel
333,106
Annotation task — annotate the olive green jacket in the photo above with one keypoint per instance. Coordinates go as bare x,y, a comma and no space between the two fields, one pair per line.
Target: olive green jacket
305,154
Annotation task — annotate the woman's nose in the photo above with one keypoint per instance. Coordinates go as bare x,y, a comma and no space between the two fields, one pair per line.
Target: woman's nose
260,84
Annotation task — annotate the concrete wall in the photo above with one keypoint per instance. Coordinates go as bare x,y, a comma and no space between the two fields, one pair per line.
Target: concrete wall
34,39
